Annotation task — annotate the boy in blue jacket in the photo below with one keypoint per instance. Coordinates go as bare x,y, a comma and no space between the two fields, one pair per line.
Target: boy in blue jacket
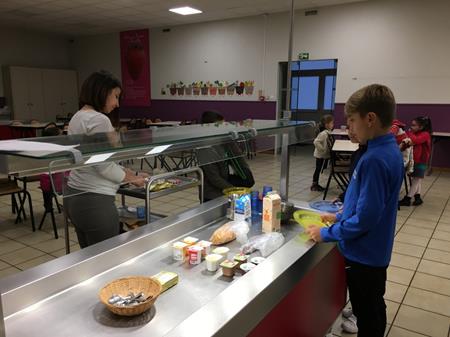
365,229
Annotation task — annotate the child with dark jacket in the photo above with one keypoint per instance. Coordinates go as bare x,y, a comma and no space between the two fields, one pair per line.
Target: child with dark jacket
365,229
222,174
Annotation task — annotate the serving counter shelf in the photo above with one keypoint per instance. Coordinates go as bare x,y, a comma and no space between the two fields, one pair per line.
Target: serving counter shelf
60,298
185,182
298,290
139,192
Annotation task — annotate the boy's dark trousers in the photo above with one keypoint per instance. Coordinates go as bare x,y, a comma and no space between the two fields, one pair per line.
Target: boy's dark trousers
366,286
319,164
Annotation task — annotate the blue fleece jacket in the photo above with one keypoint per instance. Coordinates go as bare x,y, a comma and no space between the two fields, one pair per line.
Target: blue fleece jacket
365,229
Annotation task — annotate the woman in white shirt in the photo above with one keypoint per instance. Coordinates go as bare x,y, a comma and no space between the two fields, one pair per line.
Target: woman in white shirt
91,191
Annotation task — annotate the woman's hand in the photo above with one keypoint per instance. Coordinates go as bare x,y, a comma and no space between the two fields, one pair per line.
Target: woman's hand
140,179
143,174
137,180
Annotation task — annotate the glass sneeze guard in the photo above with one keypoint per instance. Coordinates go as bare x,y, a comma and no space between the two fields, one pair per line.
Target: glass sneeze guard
141,143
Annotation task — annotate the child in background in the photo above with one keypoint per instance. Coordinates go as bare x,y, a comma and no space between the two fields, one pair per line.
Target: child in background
420,138
398,130
365,229
321,149
220,175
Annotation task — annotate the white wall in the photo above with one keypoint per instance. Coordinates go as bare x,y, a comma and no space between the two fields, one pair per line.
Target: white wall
93,53
26,48
226,50
401,43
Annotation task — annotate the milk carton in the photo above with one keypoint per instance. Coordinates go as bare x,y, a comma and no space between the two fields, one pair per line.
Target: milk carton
242,208
271,215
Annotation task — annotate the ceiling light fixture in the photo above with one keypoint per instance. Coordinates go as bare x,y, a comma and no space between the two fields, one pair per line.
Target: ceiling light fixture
185,10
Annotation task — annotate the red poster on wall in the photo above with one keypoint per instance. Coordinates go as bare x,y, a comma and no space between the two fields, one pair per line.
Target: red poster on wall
135,60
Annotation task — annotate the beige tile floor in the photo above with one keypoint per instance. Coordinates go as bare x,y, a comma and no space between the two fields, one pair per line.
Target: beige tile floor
418,286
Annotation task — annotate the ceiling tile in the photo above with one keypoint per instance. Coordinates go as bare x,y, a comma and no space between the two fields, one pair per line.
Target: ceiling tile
87,17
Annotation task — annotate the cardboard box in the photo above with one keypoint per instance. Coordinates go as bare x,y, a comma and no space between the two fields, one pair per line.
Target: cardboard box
271,213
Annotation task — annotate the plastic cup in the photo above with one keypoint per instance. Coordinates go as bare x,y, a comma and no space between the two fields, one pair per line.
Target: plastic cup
140,212
266,189
255,201
213,261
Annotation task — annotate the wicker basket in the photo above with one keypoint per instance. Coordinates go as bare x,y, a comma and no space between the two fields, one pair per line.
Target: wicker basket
124,286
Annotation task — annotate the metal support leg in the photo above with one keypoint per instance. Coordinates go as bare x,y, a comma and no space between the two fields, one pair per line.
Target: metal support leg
2,319
66,231
284,172
30,205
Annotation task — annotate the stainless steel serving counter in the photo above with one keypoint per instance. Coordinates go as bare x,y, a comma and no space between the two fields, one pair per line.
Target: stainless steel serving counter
60,298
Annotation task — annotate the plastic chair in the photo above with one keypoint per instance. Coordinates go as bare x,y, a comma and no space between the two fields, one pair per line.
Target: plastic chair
49,196
339,170
10,187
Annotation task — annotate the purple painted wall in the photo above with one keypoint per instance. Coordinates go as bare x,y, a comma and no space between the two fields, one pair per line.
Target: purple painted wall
440,119
180,110
176,110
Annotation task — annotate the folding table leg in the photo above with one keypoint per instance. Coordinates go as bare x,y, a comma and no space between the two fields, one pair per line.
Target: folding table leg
30,205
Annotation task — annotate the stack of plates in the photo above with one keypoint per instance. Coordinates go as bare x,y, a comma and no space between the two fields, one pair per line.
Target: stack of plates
326,206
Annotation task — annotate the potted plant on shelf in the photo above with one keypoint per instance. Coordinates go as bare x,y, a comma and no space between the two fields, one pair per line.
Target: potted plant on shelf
231,88
249,87
205,88
180,88
221,87
213,88
172,88
188,89
196,88
240,88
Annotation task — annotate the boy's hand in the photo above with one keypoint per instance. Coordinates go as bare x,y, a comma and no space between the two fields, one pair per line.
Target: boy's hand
328,218
314,233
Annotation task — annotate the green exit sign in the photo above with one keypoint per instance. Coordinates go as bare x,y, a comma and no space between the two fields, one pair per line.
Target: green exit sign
303,56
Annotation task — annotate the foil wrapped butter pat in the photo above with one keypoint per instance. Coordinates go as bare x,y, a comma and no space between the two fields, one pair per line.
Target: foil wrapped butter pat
167,279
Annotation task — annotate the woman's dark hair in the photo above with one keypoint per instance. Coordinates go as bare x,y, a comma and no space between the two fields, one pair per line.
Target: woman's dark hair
324,121
96,88
211,117
424,123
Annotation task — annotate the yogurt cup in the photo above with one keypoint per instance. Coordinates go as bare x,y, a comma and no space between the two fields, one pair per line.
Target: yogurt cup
228,268
179,250
222,251
195,254
240,258
213,261
206,245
